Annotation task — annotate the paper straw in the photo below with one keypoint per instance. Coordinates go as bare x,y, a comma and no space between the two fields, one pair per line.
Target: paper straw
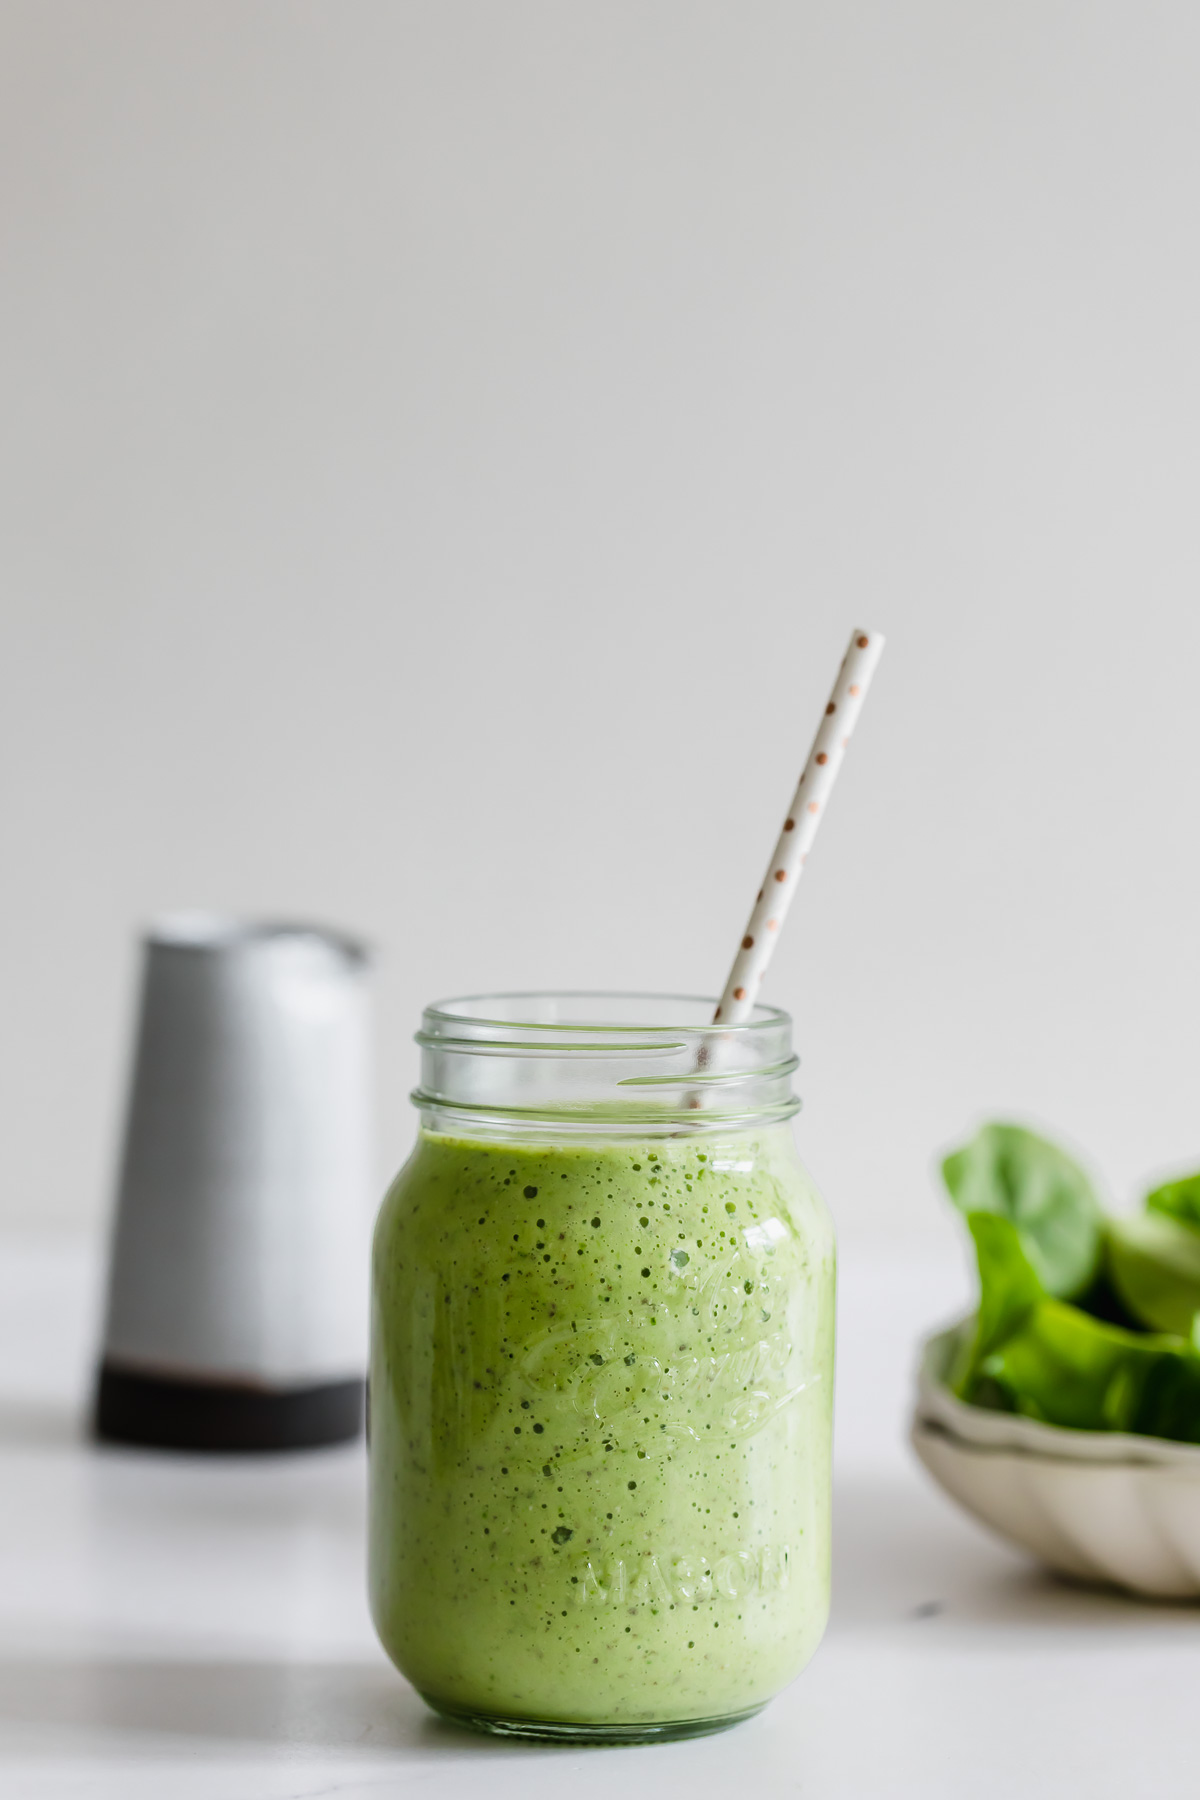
800,828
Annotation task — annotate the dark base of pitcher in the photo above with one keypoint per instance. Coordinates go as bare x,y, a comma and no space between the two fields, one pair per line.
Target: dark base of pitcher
172,1414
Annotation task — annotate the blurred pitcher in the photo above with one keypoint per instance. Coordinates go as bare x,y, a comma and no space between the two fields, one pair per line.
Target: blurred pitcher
237,1308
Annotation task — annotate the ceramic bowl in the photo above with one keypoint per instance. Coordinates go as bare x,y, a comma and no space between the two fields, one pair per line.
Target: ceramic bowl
1099,1506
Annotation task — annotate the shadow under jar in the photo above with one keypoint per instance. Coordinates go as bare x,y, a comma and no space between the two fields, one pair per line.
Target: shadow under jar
601,1372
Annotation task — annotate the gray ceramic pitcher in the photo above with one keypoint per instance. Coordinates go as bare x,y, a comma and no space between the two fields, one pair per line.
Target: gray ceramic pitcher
236,1312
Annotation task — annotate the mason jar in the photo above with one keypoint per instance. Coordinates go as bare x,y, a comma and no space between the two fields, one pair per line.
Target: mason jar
601,1371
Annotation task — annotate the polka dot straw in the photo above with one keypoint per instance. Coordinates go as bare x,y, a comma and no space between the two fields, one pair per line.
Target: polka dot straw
800,827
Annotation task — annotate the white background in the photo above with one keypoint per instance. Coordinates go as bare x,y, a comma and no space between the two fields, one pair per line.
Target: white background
445,447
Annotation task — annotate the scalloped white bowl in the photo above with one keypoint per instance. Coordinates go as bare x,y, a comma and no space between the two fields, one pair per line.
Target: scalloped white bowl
1099,1506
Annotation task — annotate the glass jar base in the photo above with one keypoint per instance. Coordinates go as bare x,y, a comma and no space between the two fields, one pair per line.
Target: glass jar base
557,1731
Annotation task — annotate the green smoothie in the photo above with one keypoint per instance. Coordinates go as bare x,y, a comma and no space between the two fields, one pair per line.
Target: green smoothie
600,1412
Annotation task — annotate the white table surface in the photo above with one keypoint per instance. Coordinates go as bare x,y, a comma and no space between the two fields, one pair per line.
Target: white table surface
180,1627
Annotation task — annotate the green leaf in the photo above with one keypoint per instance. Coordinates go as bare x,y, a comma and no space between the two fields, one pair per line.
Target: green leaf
1042,1191
1179,1199
1008,1290
1154,1265
1065,1368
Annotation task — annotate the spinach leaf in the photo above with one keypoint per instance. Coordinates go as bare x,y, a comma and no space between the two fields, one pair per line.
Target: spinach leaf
1065,1368
1008,1290
1179,1200
1154,1264
1126,1357
1045,1194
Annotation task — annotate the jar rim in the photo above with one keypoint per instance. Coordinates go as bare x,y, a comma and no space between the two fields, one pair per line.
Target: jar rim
463,1011
632,1061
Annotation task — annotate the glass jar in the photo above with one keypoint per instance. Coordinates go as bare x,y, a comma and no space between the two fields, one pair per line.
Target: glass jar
601,1372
